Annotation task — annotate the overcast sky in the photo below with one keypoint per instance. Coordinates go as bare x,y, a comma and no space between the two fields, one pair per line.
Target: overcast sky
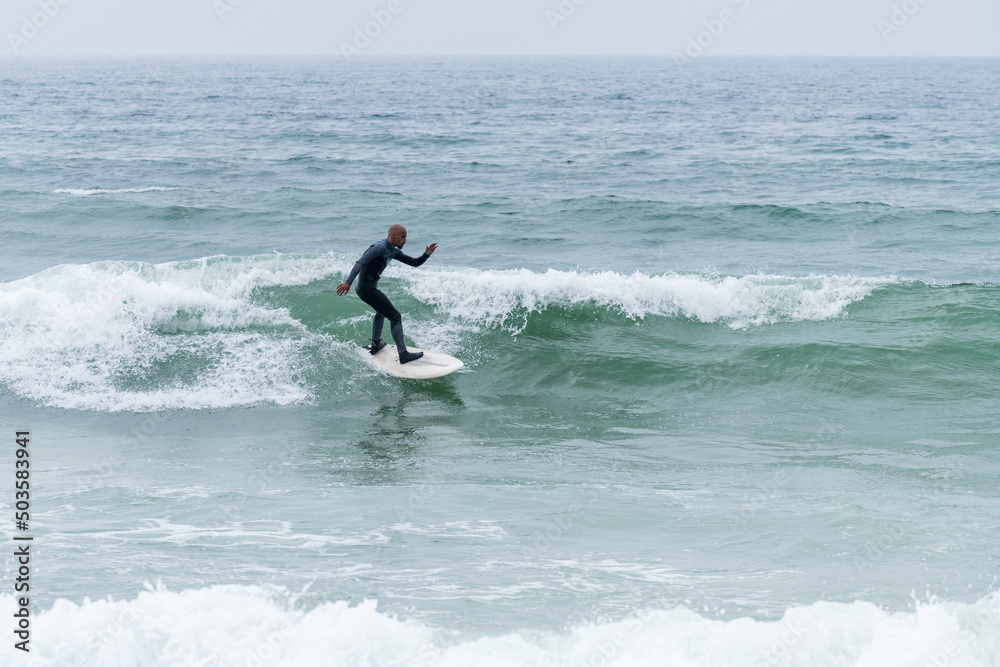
509,27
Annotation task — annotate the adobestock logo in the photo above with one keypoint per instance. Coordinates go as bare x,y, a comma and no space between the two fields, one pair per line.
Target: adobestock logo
900,16
31,26
565,9
382,19
715,28
223,7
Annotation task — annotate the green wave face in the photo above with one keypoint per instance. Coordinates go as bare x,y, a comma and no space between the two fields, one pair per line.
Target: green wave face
231,331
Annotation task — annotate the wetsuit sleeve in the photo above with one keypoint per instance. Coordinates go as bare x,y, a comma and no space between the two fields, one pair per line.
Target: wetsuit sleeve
406,259
370,254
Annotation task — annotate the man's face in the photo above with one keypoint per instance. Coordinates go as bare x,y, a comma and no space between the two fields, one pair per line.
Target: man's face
398,238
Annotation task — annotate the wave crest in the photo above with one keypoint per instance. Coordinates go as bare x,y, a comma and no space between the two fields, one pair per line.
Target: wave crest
80,192
256,626
133,336
506,298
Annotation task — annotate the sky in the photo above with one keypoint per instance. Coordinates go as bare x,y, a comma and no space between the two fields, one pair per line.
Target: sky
358,28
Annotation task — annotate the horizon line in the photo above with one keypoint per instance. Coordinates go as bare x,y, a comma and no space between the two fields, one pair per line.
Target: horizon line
376,56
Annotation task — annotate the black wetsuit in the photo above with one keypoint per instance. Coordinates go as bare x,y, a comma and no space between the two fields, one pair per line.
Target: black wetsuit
370,268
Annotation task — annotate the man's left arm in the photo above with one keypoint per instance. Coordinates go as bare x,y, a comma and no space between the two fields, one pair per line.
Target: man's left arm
415,261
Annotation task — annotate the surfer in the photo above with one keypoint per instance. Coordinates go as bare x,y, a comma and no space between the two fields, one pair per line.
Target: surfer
370,268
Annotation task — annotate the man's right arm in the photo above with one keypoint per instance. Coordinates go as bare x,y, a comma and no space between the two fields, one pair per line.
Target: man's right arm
369,255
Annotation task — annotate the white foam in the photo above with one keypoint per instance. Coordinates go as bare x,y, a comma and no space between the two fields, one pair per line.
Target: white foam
111,335
484,530
506,298
237,626
100,191
72,336
232,533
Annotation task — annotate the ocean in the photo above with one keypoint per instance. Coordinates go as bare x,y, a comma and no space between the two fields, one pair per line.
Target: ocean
731,338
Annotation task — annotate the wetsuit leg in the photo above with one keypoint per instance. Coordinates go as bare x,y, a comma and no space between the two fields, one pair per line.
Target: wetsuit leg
377,326
385,310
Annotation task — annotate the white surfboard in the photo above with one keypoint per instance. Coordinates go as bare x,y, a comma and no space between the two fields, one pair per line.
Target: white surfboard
431,365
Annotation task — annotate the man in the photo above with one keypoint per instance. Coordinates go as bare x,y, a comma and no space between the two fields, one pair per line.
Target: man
370,268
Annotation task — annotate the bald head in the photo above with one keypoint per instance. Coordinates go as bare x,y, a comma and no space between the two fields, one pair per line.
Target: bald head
397,235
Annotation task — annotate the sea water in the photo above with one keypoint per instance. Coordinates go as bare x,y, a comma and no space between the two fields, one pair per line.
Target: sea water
730,330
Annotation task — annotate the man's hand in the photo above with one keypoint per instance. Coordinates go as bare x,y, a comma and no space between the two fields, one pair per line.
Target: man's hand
342,289
430,249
